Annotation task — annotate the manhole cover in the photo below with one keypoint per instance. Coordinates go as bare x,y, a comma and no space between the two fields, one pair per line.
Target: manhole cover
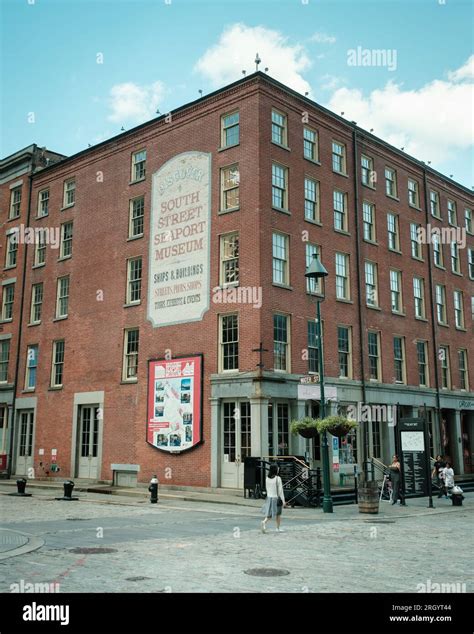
267,572
92,551
137,578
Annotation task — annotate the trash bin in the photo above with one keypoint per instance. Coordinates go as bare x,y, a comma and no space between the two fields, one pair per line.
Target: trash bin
21,486
68,487
457,496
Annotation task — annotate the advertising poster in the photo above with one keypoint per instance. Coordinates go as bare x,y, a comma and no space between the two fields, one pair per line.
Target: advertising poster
174,403
180,224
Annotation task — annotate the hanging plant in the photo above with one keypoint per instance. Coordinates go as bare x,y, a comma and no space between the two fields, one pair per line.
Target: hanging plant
305,427
336,425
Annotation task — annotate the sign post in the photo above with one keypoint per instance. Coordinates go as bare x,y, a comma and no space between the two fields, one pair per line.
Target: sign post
414,459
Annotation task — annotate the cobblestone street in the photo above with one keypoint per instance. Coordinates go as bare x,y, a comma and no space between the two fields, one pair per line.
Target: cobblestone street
178,546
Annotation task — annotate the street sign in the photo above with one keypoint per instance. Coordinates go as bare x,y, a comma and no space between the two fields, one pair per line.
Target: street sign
312,378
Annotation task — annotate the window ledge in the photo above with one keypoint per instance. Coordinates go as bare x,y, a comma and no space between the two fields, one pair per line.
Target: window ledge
286,286
139,180
283,147
8,268
319,296
458,273
437,217
316,222
41,217
340,174
281,210
314,161
6,321
417,259
421,319
65,257
399,313
60,318
38,266
414,207
67,207
35,323
344,301
55,388
392,197
442,325
129,382
13,219
30,391
373,307
227,147
461,329
395,251
228,211
368,186
132,304
130,239
342,232
373,242
438,266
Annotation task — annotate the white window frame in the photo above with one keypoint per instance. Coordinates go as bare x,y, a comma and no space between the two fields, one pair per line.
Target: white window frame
29,367
378,378
55,362
134,218
235,186
371,284
452,213
390,181
15,204
10,303
138,166
403,360
314,144
339,157
62,285
419,299
435,209
366,170
337,196
69,193
311,199
229,258
458,299
65,240
285,259
35,302
280,126
287,343
393,231
440,302
43,202
278,187
225,127
344,261
414,192
127,356
222,344
135,282
12,250
368,220
396,290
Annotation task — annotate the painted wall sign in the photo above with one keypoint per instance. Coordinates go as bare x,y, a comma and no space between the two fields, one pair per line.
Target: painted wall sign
180,230
174,420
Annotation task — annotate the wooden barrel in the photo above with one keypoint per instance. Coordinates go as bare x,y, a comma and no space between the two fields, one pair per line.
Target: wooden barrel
368,497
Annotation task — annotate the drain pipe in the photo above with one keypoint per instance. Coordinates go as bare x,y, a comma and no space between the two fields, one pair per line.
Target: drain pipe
432,311
22,305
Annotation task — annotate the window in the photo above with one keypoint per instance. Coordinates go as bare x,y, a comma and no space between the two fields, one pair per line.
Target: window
138,165
137,217
313,347
229,271
413,193
458,309
445,372
367,171
399,359
434,204
440,293
279,186
62,297
280,259
437,250
422,355
342,276
134,281
468,220
338,157
31,367
396,291
463,373
393,232
311,199
230,186
281,357
3,428
344,352
69,193
12,249
40,250
310,144
43,203
390,182
374,356
368,212
66,240
312,286
419,295
376,439
36,303
4,358
130,356
8,297
452,216
340,210
278,429
371,290
15,203
230,129
229,342
279,128
415,242
470,262
455,258
57,370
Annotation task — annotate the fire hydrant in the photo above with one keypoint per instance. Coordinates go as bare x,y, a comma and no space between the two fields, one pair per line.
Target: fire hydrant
153,488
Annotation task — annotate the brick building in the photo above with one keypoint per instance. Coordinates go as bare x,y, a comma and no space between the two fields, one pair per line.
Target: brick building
185,240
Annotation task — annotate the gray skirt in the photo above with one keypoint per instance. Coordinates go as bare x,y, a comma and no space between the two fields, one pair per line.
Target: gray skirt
270,508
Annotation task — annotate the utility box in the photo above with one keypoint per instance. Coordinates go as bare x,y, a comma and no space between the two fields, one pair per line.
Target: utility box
125,475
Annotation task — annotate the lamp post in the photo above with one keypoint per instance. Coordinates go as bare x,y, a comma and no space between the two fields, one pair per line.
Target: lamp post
316,271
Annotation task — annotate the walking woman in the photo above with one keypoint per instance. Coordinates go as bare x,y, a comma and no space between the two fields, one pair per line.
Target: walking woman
275,499
395,476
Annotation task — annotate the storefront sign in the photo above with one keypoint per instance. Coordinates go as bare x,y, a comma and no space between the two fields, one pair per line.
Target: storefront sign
413,456
466,404
174,421
180,229
313,392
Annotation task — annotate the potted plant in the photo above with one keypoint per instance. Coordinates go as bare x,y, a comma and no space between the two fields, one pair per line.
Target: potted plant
336,425
306,427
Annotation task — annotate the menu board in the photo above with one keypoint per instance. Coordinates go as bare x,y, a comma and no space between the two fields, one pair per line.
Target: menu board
413,456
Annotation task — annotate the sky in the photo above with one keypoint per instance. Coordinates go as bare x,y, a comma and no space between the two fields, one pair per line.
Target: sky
74,72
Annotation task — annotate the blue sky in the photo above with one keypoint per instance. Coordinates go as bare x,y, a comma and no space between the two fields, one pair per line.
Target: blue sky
158,55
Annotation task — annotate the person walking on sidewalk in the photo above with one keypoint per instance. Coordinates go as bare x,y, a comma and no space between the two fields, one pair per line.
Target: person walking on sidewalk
448,476
395,477
275,499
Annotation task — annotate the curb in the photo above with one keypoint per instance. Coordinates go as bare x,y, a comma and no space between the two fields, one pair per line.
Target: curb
33,544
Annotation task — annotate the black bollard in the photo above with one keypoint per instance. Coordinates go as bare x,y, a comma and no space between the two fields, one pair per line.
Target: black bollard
68,487
21,486
153,488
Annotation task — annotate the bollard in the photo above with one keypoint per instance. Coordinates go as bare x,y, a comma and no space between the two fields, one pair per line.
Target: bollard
21,485
68,487
153,488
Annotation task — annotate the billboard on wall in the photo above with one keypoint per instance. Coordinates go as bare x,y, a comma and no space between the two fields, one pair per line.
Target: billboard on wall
174,419
180,229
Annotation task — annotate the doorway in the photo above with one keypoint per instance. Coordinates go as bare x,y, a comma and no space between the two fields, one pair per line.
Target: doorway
236,442
88,445
24,453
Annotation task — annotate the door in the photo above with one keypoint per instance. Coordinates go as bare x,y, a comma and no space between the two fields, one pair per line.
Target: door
88,442
24,454
466,444
236,442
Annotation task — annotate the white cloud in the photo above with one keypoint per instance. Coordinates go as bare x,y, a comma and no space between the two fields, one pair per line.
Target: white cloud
465,72
134,103
323,38
432,122
330,82
236,49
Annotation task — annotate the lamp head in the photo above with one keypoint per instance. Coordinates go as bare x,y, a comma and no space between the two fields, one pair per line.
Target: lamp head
316,269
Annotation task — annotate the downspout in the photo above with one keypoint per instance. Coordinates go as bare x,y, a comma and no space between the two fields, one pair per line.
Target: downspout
359,294
22,305
432,310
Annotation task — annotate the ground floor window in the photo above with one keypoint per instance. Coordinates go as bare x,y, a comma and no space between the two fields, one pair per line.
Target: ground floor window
278,429
313,445
3,428
348,443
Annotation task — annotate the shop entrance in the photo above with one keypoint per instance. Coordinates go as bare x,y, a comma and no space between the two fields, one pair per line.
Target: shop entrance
88,446
24,454
466,444
236,442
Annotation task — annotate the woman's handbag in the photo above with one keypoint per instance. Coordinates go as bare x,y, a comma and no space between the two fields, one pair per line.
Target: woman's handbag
280,502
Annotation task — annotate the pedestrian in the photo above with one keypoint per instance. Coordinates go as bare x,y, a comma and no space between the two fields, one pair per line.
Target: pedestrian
275,499
395,476
448,476
439,465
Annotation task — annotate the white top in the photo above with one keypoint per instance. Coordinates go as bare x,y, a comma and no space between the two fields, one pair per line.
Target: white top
275,488
448,476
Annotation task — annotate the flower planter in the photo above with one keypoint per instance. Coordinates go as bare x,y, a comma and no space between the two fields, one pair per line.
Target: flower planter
308,433
340,432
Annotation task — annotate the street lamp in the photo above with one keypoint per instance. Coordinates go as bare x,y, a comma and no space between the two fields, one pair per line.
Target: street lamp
316,271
